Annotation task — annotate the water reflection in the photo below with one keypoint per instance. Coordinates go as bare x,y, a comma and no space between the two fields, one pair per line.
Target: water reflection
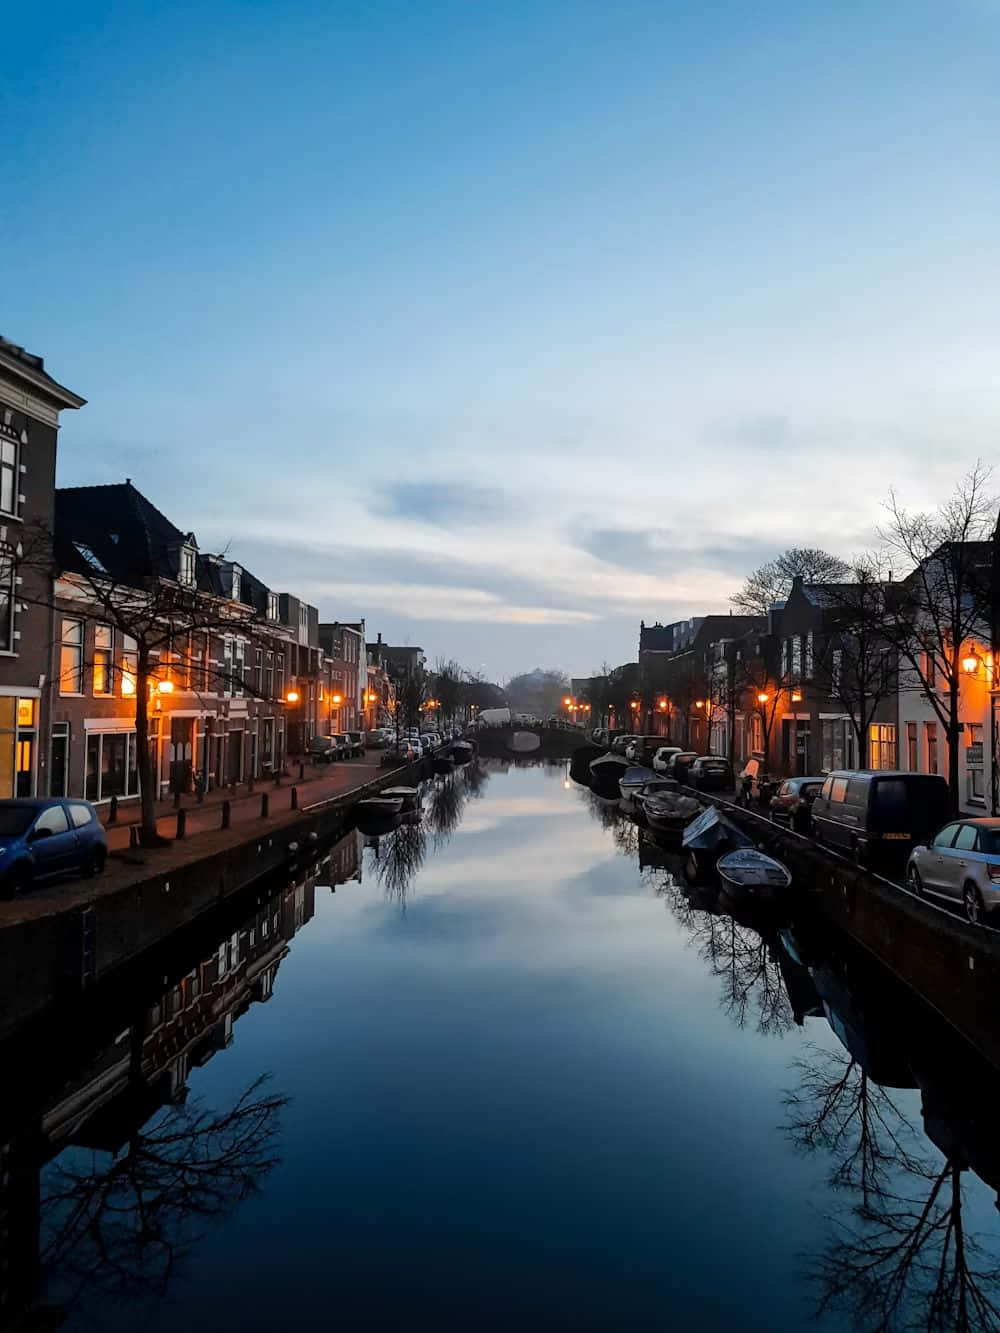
114,1174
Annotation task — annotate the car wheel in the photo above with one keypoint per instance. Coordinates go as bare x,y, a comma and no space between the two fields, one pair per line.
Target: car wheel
15,881
858,853
973,904
913,881
95,865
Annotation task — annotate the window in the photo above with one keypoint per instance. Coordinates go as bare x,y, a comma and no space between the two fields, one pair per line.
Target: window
966,839
809,655
838,743
186,575
857,791
280,673
6,599
796,669
227,667
930,672
104,659
912,756
71,657
239,668
258,670
836,667
838,789
272,606
303,623
80,815
882,745
931,746
111,765
975,789
8,476
945,837
268,686
236,584
130,665
53,820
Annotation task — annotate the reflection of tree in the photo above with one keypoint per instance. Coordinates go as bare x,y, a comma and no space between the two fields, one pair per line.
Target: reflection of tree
838,1108
401,854
906,1261
117,1229
445,803
742,959
475,778
900,1256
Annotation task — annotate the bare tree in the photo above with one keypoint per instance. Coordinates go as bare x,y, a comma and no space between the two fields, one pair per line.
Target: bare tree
771,582
945,601
165,620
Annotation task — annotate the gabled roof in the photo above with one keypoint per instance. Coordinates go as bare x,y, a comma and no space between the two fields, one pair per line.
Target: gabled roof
31,368
114,530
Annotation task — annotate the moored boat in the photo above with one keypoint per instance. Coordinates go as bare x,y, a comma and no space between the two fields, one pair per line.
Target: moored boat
410,796
635,779
383,806
748,872
606,772
668,813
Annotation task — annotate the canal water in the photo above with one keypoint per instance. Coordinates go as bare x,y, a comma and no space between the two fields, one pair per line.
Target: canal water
500,1068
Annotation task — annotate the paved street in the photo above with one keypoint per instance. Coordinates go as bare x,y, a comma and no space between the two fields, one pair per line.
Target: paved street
320,783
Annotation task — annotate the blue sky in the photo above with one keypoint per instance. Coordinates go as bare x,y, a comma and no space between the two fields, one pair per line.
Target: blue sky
508,325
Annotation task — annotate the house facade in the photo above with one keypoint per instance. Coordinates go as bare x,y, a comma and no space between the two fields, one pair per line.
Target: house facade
30,405
344,647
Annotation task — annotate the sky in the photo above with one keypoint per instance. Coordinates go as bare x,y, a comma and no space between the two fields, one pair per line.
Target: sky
507,326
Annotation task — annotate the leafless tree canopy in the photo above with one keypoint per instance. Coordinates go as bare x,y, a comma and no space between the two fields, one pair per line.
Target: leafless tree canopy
772,581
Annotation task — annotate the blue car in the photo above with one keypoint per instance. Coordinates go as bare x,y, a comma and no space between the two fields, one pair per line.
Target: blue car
40,839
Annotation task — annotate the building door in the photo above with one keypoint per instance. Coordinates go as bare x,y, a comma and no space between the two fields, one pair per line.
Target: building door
234,771
181,753
59,760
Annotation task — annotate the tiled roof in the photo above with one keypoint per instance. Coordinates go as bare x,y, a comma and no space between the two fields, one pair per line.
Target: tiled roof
117,526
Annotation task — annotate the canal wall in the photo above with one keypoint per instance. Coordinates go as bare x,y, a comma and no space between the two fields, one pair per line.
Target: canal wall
54,947
953,965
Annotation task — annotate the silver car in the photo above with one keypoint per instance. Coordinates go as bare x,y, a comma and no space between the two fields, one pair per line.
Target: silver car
961,863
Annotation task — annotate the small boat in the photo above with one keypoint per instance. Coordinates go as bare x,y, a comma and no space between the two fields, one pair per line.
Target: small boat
749,872
410,796
383,806
707,838
443,763
668,813
635,779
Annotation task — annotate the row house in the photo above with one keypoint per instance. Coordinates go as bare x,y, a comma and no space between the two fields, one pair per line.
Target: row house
219,701
380,695
346,651
30,405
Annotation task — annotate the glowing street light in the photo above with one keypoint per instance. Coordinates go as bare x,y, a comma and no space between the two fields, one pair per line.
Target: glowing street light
165,686
337,699
970,664
762,698
292,697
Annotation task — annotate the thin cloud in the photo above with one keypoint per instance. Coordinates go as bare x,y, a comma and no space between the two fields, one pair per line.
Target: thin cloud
442,503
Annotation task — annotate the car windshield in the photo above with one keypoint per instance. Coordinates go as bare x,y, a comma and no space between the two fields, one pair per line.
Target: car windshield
14,819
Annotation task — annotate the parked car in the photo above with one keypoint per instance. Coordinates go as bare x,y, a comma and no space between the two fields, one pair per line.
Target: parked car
663,757
430,740
41,839
961,863
324,749
792,803
377,739
882,815
680,763
357,739
641,749
347,747
711,772
403,753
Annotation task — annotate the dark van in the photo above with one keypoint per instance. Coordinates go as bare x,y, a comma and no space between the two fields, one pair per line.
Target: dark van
881,815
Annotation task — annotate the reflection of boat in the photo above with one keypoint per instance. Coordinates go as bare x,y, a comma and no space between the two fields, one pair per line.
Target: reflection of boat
707,838
746,871
607,771
668,812
410,796
443,763
462,752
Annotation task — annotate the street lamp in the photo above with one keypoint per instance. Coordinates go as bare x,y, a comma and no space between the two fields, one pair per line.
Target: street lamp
292,697
699,703
970,664
165,686
762,698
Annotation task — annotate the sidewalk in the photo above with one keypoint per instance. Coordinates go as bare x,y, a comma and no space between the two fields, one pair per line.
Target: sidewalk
320,783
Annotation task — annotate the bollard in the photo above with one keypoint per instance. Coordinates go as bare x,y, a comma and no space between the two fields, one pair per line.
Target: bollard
177,799
295,799
181,823
264,802
250,786
133,836
227,814
277,779
302,772
113,811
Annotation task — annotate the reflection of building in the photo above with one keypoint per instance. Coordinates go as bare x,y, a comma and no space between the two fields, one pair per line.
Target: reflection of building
102,1099
30,403
344,861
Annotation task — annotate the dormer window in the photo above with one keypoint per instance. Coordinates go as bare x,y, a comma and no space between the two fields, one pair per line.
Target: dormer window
236,584
186,574
272,606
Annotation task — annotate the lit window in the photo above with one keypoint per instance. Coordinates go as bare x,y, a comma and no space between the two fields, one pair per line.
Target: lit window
882,745
130,664
103,659
71,657
272,606
8,476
